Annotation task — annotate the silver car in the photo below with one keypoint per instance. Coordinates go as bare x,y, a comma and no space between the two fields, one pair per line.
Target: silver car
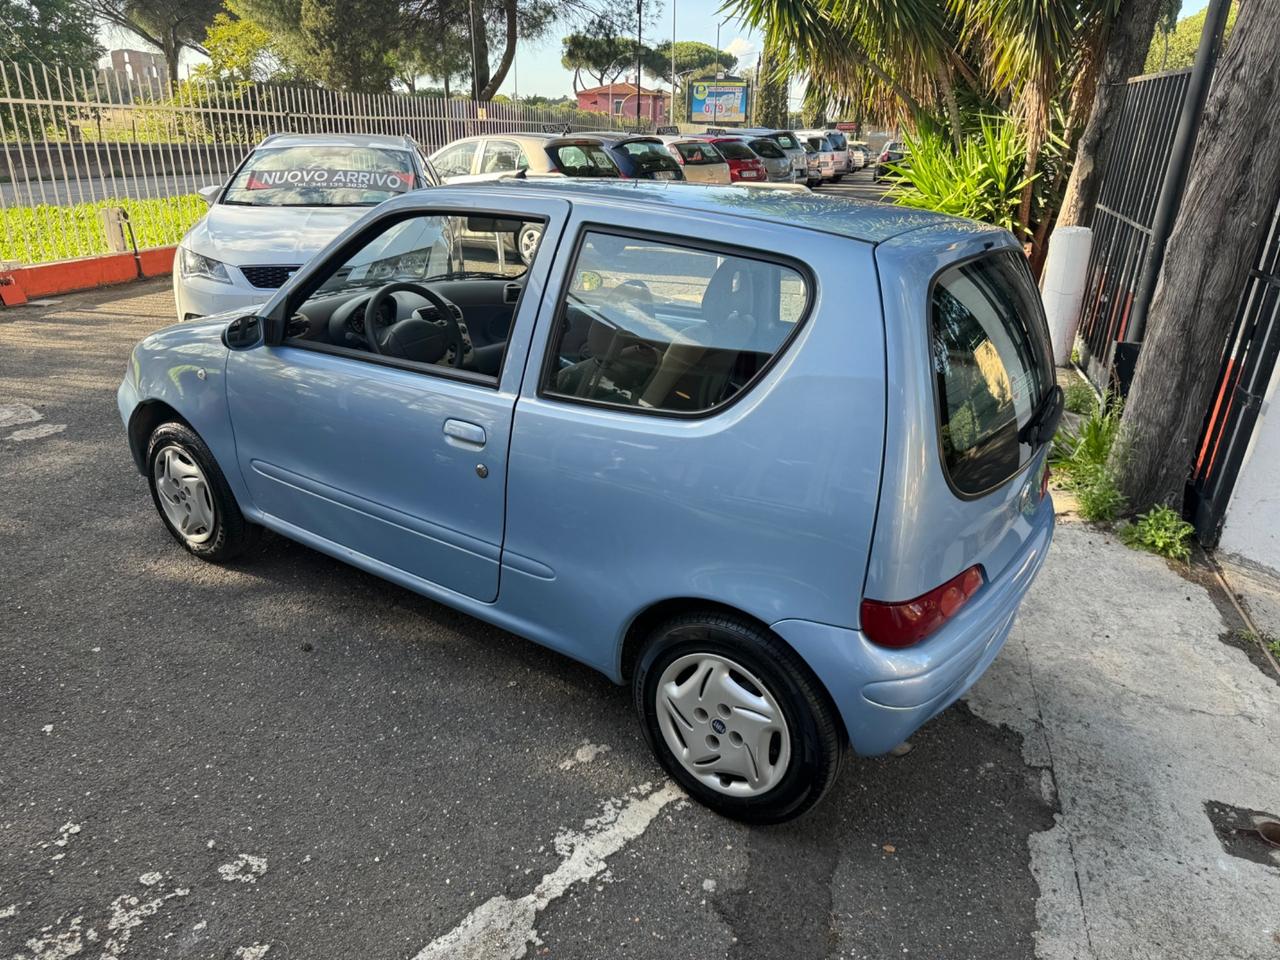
776,163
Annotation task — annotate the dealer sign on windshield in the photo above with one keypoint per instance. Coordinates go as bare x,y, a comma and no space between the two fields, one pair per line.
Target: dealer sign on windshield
393,181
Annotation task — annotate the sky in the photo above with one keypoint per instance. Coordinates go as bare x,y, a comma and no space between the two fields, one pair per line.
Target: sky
537,67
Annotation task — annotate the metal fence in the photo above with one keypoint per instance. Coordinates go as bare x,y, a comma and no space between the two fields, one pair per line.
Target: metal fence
75,141
1247,365
1121,225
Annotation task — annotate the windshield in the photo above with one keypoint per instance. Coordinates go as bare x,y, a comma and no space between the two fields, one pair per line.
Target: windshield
767,148
583,160
650,157
735,150
321,176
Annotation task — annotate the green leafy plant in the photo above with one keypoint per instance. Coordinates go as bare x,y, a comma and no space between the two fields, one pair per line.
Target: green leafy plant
1079,398
982,180
1160,530
1081,456
1075,356
1098,497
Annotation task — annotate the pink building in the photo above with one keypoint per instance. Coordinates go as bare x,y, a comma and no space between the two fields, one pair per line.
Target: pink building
619,99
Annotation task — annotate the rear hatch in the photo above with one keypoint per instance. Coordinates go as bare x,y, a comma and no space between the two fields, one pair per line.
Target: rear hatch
971,408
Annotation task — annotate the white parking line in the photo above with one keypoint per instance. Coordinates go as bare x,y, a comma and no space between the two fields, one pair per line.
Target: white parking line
502,928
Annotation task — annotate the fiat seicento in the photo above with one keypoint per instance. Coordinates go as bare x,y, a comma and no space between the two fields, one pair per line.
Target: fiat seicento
775,461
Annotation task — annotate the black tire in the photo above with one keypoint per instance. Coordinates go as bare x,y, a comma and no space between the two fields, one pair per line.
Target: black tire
816,733
231,533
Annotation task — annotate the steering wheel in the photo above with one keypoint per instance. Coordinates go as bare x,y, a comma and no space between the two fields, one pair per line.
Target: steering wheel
417,337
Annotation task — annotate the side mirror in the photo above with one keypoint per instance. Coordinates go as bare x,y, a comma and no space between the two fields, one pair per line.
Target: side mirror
210,193
242,332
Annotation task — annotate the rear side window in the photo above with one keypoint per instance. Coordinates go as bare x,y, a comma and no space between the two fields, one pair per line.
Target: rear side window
659,326
992,364
698,153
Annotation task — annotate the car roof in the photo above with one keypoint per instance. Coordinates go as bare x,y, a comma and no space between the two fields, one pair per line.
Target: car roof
865,220
336,140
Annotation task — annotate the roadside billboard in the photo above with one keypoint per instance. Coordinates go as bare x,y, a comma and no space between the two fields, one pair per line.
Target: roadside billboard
718,101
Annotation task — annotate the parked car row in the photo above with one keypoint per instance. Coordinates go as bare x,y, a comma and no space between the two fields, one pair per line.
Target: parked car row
315,185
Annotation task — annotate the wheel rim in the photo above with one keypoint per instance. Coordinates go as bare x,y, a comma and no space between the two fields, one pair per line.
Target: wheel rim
529,244
184,495
723,725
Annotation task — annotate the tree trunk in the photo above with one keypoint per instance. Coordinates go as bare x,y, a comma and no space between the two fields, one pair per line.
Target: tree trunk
948,91
1225,213
508,53
479,49
1126,42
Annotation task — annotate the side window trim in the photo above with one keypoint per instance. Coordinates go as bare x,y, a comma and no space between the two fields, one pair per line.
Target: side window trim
586,227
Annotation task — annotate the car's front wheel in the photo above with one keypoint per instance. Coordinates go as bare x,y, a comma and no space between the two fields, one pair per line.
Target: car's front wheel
192,496
527,239
736,718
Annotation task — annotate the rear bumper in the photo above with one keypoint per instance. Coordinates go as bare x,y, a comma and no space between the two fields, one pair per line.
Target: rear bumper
885,695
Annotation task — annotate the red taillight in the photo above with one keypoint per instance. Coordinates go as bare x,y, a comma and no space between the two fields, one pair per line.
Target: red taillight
909,622
1044,481
885,155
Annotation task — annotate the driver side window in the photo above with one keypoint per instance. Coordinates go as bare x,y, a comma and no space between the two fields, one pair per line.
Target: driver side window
431,291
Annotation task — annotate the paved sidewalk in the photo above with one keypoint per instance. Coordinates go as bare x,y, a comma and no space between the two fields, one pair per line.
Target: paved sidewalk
294,759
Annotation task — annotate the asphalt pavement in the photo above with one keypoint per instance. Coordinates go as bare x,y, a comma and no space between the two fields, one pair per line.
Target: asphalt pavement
288,758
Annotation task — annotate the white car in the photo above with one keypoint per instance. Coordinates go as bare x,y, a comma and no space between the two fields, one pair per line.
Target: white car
284,203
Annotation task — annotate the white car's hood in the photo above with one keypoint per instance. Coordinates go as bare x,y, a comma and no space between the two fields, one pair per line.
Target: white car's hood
241,235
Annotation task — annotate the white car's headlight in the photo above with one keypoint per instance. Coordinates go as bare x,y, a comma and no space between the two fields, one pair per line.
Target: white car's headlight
196,265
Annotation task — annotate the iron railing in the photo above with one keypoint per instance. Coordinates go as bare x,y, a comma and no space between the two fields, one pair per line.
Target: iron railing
1133,174
75,141
1247,365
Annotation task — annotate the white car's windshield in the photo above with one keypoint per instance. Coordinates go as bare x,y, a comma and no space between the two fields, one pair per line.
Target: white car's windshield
321,176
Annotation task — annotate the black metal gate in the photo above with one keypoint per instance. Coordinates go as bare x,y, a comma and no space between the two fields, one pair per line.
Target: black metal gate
1121,224
1247,365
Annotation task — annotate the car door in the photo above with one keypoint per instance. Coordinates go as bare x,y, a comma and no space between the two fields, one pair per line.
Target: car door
397,466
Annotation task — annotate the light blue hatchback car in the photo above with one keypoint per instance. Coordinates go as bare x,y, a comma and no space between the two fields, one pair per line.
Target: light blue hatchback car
775,460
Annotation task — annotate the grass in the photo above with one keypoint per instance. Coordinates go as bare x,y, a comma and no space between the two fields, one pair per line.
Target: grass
45,233
1162,531
1080,456
1268,641
1080,398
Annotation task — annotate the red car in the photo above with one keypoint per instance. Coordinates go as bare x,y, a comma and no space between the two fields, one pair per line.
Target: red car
744,164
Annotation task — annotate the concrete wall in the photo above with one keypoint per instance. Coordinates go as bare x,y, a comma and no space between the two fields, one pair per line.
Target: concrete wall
1252,527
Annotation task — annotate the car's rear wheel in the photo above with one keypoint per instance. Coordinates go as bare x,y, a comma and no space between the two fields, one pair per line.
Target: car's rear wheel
736,718
192,496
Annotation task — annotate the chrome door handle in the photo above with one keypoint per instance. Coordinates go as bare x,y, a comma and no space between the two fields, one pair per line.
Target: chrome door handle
471,433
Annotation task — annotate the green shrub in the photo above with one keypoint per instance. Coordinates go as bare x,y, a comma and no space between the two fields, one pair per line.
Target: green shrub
1075,356
1160,530
1079,397
1097,495
982,180
43,233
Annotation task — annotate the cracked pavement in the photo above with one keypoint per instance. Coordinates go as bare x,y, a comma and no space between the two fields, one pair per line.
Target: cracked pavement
290,758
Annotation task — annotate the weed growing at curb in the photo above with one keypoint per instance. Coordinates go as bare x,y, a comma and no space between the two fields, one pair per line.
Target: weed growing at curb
1080,457
1079,398
1162,531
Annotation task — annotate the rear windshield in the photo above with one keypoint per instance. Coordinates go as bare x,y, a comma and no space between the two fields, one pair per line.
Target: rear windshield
583,160
699,153
786,141
993,367
767,148
650,157
837,141
735,150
